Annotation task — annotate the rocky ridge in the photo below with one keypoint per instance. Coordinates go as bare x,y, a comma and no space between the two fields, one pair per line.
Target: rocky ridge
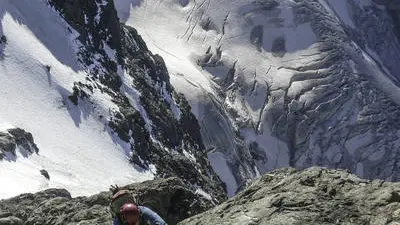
313,196
284,196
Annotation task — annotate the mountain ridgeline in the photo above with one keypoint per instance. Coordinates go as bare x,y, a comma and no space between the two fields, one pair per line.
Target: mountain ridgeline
152,117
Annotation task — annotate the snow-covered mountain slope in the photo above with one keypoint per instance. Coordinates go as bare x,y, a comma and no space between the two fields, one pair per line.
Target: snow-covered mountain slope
98,104
278,83
74,146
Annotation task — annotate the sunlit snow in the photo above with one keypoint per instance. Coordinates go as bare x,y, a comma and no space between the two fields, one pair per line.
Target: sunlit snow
173,29
74,146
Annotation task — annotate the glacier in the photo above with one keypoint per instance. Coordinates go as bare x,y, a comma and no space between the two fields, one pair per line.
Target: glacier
283,83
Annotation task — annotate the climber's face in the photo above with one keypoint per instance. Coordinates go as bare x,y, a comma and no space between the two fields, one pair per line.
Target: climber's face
132,219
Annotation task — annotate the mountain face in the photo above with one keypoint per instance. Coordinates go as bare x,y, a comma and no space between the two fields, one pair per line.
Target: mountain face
97,102
312,196
161,130
283,83
237,89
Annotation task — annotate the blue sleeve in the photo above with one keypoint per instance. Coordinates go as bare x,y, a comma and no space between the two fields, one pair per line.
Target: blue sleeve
115,222
150,217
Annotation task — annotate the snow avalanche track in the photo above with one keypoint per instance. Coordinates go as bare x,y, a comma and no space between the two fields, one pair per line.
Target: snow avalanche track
74,145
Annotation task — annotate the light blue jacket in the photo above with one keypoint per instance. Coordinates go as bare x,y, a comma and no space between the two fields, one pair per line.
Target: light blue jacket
147,217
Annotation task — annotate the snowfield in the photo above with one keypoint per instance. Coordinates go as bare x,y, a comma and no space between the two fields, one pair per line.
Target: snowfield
75,147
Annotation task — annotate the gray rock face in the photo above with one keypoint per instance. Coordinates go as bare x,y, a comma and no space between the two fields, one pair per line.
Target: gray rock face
11,220
169,197
14,138
97,24
312,196
24,139
7,143
106,24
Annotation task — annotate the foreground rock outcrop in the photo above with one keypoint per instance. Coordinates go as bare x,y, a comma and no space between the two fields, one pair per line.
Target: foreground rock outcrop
312,196
169,197
284,196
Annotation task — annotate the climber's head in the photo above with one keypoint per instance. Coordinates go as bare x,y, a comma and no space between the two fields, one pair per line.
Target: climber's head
130,213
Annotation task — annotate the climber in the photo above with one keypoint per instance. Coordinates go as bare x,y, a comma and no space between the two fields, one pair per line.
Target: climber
130,213
48,68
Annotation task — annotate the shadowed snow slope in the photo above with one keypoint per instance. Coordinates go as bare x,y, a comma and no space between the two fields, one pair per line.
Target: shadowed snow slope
74,147
278,83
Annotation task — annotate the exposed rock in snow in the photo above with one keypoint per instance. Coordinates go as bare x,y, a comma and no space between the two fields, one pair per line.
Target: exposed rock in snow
7,143
15,139
45,174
